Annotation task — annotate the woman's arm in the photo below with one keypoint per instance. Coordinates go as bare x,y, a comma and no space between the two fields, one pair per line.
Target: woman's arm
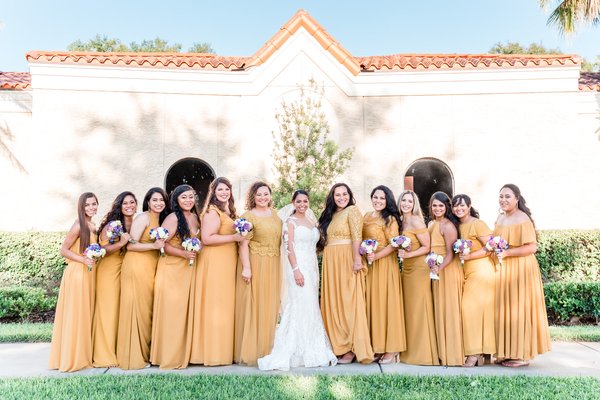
170,224
298,277
139,225
211,223
520,251
113,247
65,249
450,235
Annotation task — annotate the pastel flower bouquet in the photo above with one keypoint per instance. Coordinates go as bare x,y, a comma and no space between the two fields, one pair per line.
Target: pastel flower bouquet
368,246
159,233
94,252
462,247
191,244
401,242
497,244
114,230
433,260
242,226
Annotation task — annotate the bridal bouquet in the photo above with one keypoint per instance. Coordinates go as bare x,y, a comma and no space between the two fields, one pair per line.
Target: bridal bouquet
94,252
242,226
401,242
368,246
159,233
191,244
433,260
463,247
497,244
114,231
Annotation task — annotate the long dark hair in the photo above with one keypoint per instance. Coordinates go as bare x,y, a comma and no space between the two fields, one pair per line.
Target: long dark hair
183,229
251,195
391,208
146,206
84,228
116,211
521,203
444,198
330,208
456,200
211,198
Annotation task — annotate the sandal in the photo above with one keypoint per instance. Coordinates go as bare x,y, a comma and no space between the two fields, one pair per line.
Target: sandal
345,359
389,360
474,361
515,363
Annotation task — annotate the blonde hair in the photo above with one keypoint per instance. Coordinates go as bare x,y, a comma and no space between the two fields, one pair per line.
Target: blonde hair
416,204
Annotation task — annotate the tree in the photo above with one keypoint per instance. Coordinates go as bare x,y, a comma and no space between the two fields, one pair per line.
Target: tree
155,46
100,44
570,13
104,44
304,156
201,47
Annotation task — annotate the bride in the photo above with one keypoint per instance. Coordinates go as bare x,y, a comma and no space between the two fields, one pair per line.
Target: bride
300,339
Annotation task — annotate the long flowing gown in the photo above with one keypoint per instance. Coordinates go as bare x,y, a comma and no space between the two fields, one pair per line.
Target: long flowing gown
106,311
300,339
421,343
71,347
447,303
137,296
343,292
385,307
521,320
479,334
257,303
173,311
214,300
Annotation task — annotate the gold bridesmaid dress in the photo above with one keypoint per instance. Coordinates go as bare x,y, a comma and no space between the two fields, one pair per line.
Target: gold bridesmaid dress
173,311
106,311
71,347
421,343
447,303
214,300
137,294
479,334
257,303
343,293
522,324
385,307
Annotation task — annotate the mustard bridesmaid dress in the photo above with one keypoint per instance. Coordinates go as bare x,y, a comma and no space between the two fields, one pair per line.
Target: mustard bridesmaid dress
214,300
343,293
173,311
137,295
257,303
522,324
479,334
106,311
71,347
385,307
421,342
447,303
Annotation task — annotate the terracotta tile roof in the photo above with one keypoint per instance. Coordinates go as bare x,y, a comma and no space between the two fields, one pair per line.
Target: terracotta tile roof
589,81
15,80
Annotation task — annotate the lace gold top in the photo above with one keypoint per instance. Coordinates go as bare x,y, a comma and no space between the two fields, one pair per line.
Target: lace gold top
345,224
265,236
473,231
374,227
517,234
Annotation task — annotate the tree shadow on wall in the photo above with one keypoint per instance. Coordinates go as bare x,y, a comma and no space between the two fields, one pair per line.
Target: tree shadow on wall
7,137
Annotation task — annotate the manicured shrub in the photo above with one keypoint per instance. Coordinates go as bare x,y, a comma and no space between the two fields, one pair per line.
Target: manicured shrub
568,300
20,302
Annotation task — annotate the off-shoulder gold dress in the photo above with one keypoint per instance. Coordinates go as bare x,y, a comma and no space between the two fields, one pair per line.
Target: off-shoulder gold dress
522,324
71,347
385,307
447,303
343,292
214,299
257,303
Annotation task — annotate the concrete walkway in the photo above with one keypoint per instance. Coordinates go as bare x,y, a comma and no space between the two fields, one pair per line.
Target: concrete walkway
566,359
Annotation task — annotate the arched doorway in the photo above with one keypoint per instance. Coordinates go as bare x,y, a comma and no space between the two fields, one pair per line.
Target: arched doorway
193,172
427,176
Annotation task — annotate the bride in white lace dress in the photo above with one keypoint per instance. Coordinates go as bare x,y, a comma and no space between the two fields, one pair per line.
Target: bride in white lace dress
300,339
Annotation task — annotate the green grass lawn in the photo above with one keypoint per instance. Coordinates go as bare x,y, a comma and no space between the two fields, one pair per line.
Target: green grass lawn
299,387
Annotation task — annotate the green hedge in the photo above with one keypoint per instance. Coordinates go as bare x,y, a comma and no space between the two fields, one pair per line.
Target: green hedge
569,256
567,300
21,302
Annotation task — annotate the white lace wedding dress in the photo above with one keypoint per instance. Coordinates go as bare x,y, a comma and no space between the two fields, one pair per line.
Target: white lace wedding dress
300,339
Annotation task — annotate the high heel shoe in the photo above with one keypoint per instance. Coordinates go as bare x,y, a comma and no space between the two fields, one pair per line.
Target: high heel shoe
474,360
389,360
345,359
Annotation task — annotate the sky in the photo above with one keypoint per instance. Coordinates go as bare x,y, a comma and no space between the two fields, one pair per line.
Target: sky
240,28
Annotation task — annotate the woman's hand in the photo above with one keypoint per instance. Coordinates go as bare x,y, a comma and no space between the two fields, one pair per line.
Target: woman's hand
403,254
357,267
190,255
125,237
89,261
246,274
298,277
237,237
159,244
370,257
464,257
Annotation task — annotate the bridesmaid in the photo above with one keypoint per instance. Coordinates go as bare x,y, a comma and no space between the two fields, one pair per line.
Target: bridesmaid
214,299
447,291
421,343
343,302
479,337
108,282
259,278
173,288
385,308
522,324
137,283
71,348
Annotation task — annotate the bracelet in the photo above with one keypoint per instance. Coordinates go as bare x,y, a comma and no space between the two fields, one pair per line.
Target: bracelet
295,268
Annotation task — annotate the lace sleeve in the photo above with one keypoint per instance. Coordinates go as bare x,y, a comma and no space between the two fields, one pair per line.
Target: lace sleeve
355,222
289,244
